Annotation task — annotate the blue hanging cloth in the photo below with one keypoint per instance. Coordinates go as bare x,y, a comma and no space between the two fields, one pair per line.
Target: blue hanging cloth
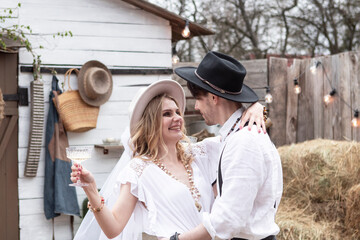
59,197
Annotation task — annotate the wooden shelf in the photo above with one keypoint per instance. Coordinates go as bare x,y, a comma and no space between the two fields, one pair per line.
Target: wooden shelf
107,147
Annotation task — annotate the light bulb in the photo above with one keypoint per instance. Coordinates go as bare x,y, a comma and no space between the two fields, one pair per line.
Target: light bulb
268,98
355,122
297,88
186,32
314,66
313,69
175,59
327,99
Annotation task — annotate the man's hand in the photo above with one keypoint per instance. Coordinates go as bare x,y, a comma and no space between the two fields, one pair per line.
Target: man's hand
254,114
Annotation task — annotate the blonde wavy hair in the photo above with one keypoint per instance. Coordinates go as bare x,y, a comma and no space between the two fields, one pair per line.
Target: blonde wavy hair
147,139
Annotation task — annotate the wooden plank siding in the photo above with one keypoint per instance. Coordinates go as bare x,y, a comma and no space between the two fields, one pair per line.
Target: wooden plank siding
292,102
355,89
307,116
116,44
277,109
113,32
335,82
329,118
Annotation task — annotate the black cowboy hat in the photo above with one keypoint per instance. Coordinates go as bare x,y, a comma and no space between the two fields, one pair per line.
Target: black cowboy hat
221,75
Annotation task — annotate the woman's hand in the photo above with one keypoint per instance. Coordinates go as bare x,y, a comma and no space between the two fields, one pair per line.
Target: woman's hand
254,114
80,173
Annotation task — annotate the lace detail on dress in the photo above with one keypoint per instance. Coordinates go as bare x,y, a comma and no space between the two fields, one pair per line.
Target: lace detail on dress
138,165
198,149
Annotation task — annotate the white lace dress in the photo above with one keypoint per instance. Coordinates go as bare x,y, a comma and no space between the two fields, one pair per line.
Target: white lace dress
165,205
169,205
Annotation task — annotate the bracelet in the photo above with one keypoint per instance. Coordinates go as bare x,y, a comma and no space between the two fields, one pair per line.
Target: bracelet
98,209
265,112
175,236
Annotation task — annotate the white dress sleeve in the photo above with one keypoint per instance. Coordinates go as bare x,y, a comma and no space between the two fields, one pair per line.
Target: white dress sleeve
206,156
144,214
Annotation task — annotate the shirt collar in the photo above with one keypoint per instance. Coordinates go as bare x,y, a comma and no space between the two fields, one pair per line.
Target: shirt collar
230,122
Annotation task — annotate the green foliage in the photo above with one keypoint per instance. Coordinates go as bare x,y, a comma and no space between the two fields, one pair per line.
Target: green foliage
19,34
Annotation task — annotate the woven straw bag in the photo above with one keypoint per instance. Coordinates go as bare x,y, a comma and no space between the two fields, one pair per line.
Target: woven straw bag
76,115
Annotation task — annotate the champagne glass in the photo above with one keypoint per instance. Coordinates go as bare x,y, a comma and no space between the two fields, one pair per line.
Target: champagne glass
78,155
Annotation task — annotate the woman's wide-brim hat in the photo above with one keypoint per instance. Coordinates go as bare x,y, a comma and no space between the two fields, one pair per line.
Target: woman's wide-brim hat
95,83
221,75
145,95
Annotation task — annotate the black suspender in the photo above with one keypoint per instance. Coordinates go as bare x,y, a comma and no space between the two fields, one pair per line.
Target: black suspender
219,169
219,172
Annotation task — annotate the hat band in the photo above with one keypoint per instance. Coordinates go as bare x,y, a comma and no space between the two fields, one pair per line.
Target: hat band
215,87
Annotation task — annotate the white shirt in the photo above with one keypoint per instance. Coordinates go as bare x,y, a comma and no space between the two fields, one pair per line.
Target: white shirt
252,185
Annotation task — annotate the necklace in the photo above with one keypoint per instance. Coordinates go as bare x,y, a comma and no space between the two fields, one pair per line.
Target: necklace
193,189
233,127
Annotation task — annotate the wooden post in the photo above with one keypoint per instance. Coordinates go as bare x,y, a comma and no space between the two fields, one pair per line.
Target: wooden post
306,105
355,89
335,81
277,109
317,80
344,95
329,117
292,102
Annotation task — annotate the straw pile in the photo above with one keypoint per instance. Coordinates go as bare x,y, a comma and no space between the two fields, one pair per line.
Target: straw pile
352,219
321,190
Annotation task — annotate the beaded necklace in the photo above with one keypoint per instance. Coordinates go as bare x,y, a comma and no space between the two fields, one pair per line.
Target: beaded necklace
233,127
193,189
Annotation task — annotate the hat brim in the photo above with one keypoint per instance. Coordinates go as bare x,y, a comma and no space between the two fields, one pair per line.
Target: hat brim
144,96
101,99
247,95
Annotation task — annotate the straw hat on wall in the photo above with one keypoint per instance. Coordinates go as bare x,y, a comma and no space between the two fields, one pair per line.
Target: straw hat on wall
95,83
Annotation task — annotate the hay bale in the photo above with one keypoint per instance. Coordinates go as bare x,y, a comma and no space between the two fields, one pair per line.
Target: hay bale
319,171
296,224
352,219
317,177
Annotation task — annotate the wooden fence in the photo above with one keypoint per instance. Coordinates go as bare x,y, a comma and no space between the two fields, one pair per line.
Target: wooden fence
297,118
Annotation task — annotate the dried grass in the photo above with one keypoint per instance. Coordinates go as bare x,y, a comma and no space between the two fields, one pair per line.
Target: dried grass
317,177
296,224
352,218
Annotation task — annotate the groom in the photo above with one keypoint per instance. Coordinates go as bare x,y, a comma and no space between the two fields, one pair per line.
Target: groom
249,175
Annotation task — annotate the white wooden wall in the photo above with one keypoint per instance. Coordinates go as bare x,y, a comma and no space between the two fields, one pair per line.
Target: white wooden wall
110,31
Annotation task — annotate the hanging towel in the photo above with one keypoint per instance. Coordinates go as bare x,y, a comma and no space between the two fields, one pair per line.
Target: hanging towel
59,197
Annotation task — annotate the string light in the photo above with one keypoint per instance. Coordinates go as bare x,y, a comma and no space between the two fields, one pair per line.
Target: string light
268,96
175,57
186,32
315,66
297,88
356,121
329,98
